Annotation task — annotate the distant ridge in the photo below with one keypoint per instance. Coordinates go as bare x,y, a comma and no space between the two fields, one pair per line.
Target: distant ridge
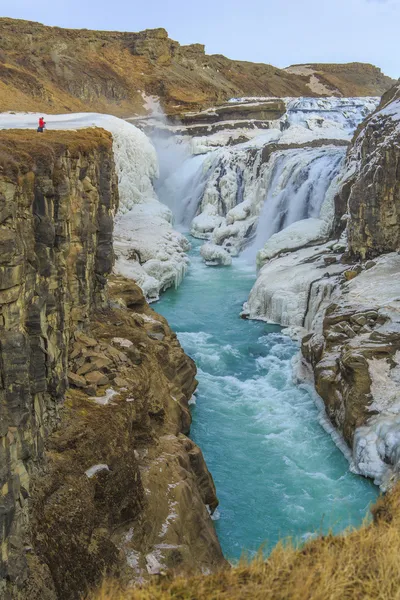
51,69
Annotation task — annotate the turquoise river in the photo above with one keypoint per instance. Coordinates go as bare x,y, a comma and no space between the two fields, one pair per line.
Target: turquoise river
278,473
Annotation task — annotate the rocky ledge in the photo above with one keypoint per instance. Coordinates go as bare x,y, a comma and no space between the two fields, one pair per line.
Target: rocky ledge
97,474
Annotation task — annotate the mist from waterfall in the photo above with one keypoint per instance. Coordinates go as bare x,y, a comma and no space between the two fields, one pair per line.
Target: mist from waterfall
183,187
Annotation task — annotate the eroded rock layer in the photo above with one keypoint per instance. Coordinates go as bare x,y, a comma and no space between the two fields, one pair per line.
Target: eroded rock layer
57,199
106,481
374,201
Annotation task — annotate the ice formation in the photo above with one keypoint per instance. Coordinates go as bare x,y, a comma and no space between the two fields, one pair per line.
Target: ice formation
291,288
147,247
237,196
215,255
376,448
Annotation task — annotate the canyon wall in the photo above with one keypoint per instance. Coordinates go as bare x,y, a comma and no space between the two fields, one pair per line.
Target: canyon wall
88,485
53,268
339,290
355,355
374,201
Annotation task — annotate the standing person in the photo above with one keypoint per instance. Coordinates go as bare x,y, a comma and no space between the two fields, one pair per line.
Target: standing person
42,125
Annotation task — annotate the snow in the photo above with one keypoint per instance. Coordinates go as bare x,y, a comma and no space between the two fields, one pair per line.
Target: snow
215,255
145,234
377,443
297,235
290,288
143,225
236,196
135,156
96,469
171,517
124,343
385,384
153,564
204,224
391,110
378,286
104,400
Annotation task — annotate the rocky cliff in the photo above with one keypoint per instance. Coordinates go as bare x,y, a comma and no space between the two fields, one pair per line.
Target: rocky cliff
355,349
340,286
98,477
374,201
63,70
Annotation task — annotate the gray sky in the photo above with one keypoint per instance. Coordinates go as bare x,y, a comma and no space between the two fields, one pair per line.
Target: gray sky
279,32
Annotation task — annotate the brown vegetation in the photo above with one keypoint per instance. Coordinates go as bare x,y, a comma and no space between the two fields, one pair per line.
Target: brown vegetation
65,70
361,564
22,149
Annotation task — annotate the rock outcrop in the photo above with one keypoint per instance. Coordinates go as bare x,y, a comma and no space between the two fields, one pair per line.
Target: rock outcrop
351,79
64,70
57,199
99,477
374,200
355,354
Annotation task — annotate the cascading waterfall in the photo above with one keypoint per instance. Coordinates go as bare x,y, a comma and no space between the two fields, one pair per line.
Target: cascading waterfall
183,189
233,196
298,185
345,113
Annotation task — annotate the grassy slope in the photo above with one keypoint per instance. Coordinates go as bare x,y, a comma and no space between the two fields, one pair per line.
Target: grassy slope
60,70
361,564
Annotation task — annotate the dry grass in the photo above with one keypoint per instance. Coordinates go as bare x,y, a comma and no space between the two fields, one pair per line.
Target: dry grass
21,149
361,565
61,70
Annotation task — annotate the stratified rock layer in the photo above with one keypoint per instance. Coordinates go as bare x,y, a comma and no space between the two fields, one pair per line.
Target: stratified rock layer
106,482
374,202
57,197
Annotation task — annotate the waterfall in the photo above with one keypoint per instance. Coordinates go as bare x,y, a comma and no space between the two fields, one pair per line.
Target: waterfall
298,184
344,113
237,196
183,189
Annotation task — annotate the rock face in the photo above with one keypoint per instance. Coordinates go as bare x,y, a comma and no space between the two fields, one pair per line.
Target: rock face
355,358
76,477
374,200
60,70
57,198
355,351
351,79
348,305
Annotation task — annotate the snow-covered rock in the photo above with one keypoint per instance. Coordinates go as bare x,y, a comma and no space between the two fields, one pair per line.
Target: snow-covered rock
253,182
290,288
214,255
356,361
204,224
298,235
147,247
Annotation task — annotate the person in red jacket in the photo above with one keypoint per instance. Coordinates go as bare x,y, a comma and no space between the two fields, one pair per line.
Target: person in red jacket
42,125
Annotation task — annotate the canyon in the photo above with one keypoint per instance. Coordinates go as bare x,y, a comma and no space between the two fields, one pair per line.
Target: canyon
101,474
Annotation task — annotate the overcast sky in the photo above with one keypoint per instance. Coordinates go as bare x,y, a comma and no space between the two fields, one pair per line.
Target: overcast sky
279,32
